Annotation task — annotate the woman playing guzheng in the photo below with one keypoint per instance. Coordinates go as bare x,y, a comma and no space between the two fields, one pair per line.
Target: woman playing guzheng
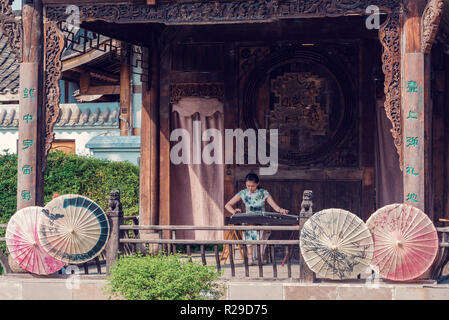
254,199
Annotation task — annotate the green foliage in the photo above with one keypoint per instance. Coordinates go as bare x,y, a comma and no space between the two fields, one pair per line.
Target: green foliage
8,187
94,179
160,277
65,173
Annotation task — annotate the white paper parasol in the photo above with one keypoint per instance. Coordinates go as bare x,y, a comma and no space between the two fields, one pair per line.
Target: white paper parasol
23,243
336,244
73,229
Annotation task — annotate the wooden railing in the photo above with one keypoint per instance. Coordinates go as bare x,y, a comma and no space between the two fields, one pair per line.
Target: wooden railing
169,246
128,237
442,257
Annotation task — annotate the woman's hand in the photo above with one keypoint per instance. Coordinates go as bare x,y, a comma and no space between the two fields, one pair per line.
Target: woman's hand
231,203
275,206
237,211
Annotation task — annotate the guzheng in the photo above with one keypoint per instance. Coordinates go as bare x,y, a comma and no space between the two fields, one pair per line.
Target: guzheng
262,218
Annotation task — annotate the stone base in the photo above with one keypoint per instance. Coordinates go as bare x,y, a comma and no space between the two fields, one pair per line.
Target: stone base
64,287
335,291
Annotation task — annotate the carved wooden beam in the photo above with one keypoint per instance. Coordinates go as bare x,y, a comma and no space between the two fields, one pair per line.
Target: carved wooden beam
430,23
390,37
54,45
11,28
218,11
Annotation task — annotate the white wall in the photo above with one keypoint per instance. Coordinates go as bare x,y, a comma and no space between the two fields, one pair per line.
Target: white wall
8,139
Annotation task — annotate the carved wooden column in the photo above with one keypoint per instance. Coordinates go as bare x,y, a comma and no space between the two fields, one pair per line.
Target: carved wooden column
30,174
414,110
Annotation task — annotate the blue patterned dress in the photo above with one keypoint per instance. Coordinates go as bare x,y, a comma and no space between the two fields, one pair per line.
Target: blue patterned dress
253,202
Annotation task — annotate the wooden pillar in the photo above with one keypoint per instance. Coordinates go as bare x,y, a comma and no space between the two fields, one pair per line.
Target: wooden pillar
125,90
30,177
367,102
230,101
413,108
149,146
164,136
446,143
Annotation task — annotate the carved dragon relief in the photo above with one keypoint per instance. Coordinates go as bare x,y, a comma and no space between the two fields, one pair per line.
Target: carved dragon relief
54,45
11,28
430,23
171,13
390,38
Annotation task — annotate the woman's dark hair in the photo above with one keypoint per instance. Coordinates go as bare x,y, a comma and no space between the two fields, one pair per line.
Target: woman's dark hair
252,177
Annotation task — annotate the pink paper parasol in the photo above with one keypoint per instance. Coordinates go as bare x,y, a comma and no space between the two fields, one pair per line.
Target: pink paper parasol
405,241
23,243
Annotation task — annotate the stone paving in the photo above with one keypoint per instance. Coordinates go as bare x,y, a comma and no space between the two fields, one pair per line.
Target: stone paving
90,287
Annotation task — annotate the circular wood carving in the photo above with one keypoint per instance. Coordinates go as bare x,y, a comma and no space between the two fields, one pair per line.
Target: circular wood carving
310,98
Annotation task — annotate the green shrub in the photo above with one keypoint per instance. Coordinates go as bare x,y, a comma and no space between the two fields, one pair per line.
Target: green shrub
160,277
66,173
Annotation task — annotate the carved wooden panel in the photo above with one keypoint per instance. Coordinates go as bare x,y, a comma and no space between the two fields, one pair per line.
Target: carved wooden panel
11,27
390,38
209,90
310,98
430,23
219,11
54,45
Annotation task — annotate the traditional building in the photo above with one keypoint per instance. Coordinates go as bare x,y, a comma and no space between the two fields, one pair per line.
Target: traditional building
89,99
356,89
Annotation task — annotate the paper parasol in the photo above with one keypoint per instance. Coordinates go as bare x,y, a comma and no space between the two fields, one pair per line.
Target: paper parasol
73,229
405,241
23,243
336,244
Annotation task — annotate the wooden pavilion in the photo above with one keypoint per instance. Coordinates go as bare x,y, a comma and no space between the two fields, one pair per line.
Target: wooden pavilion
362,110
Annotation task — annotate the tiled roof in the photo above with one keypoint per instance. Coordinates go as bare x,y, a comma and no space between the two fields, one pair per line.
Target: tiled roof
71,116
9,68
114,142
